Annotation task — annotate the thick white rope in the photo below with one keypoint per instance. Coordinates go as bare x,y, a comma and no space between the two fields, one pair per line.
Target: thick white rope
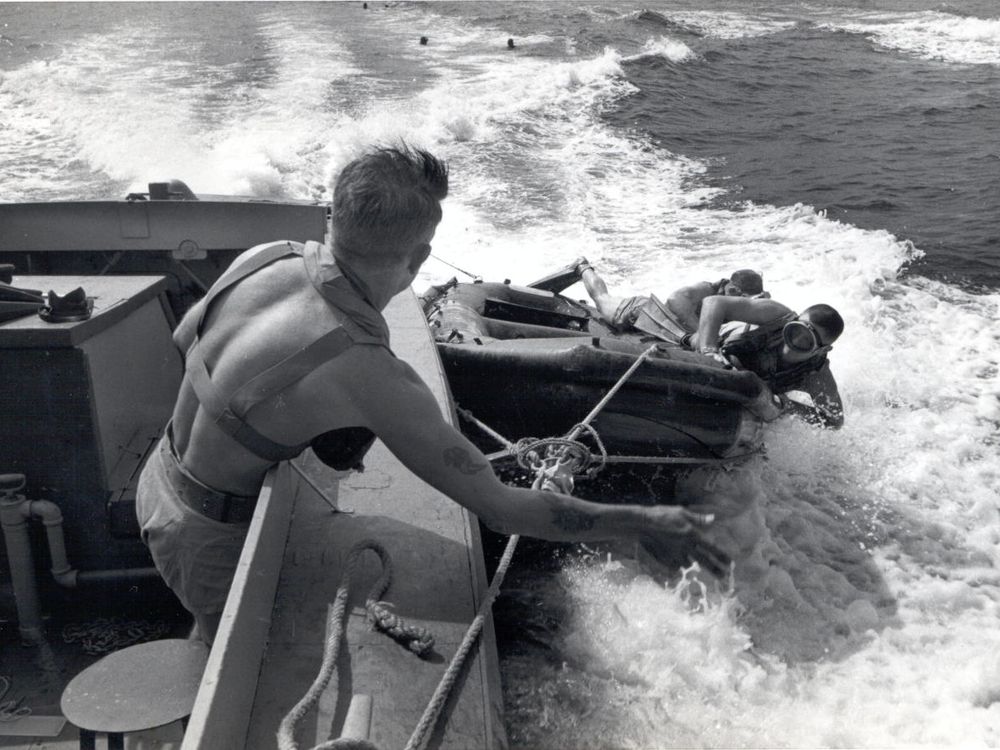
421,734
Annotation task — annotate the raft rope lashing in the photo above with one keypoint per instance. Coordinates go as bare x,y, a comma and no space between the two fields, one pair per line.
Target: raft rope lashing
523,449
417,639
553,472
569,449
683,460
532,453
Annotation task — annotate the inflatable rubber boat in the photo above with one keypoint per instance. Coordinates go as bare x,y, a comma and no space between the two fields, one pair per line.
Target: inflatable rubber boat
526,361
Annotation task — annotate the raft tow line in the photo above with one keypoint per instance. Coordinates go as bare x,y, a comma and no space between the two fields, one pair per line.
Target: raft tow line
460,270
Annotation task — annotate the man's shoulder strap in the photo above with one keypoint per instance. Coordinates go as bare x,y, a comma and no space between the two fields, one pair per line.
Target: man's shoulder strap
255,259
346,296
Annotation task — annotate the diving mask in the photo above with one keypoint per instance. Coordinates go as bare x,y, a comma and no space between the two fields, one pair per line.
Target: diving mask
802,336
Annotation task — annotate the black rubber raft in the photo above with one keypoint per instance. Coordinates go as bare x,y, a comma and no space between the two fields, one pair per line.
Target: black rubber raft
532,363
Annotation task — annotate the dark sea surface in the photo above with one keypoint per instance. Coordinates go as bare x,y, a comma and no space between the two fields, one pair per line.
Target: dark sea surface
817,114
848,150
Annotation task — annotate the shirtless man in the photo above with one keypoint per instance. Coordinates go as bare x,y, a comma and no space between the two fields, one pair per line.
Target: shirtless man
289,345
684,304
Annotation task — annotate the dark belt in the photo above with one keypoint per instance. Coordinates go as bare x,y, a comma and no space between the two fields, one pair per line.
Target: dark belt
210,503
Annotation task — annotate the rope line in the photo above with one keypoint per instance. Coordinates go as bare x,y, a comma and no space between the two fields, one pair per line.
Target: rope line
575,432
10,710
553,472
466,414
665,460
521,448
421,734
416,639
460,270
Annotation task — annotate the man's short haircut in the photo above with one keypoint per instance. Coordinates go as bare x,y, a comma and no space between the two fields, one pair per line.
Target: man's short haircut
749,281
826,320
384,197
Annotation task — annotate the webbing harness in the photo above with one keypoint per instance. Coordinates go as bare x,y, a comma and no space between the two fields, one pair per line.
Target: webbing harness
358,323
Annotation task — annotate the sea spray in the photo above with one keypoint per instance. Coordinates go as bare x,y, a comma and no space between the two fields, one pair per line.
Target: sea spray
931,35
637,655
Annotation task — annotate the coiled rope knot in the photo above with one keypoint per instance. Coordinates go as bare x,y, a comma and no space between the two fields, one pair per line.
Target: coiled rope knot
380,617
415,637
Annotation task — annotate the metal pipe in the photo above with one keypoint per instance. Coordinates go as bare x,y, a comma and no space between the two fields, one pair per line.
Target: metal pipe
15,513
22,566
65,574
52,519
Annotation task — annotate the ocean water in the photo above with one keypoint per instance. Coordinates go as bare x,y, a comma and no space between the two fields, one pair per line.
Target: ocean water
847,150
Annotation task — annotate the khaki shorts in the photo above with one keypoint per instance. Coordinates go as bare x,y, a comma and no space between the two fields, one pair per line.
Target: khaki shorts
196,555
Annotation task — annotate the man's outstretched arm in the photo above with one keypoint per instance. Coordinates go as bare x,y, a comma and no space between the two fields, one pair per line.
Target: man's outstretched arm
719,309
401,410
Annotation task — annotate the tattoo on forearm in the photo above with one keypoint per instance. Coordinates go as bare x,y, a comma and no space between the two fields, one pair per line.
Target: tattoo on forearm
460,459
572,520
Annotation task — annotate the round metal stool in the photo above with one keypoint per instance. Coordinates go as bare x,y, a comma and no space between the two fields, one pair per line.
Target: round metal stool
140,687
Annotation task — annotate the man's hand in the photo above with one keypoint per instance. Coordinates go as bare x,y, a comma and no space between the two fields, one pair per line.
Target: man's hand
672,527
718,356
554,474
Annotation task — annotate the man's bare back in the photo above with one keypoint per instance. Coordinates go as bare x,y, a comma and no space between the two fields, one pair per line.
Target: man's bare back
262,320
